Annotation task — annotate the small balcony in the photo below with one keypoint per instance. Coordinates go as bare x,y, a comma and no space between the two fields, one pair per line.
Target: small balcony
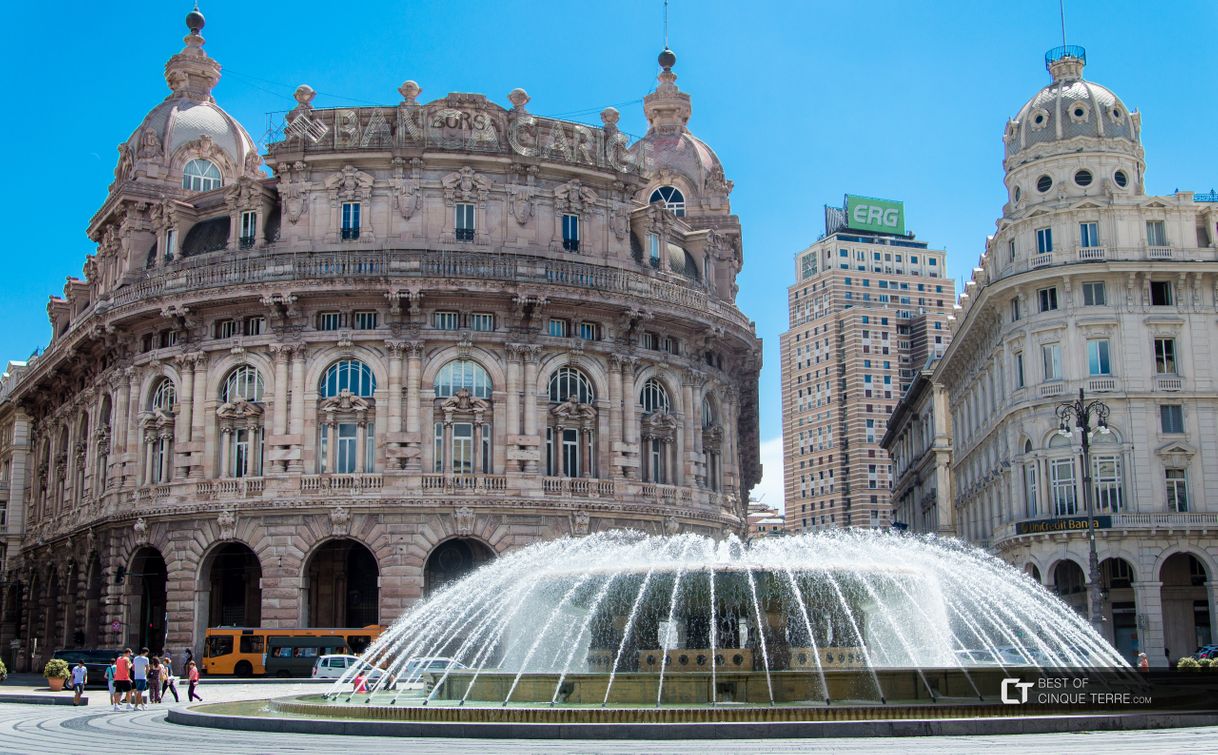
1169,383
350,234
464,234
1049,390
1092,253
1042,259
1104,384
570,245
246,242
1160,252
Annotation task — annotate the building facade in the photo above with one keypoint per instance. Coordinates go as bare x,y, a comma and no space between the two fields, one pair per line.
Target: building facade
434,332
866,310
919,441
1090,284
764,521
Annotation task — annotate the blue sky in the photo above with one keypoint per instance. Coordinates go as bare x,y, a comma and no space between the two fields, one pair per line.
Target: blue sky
803,101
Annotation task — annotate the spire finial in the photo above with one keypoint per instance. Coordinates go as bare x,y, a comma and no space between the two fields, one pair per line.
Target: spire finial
665,24
191,73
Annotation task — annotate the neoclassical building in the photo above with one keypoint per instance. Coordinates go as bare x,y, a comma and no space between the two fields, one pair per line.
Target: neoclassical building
431,333
1088,283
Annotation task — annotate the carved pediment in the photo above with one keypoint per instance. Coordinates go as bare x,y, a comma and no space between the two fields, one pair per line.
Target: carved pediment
572,412
659,426
349,183
573,196
712,438
239,409
1176,454
157,418
466,185
463,402
345,402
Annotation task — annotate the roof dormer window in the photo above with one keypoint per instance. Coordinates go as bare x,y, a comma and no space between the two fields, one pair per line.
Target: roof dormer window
201,175
673,199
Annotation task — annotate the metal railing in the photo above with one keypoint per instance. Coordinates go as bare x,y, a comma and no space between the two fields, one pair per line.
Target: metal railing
350,234
570,245
1065,51
246,242
464,234
1209,196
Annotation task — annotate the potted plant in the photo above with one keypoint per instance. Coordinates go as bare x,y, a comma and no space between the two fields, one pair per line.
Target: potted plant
56,673
1188,663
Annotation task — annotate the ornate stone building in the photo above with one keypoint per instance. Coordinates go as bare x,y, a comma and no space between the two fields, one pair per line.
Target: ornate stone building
1088,283
437,331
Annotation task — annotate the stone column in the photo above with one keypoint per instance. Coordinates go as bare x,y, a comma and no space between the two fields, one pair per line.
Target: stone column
296,422
182,428
149,440
225,446
1148,602
414,379
134,436
361,442
615,412
630,430
395,349
279,408
331,446
533,358
198,420
118,426
687,472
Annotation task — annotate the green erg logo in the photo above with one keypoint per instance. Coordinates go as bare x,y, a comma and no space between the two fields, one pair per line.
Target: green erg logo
868,214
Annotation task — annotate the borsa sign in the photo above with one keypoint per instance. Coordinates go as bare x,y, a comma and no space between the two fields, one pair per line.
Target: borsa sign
462,122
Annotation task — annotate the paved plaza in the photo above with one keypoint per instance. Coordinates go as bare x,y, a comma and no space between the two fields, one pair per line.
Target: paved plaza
96,728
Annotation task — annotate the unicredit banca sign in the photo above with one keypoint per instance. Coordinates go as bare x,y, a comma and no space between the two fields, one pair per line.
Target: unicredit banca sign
870,214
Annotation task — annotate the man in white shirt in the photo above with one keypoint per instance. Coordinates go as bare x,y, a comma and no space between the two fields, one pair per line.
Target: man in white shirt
139,669
80,677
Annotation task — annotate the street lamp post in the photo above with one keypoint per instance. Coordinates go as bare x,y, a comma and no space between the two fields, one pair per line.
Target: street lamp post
1080,413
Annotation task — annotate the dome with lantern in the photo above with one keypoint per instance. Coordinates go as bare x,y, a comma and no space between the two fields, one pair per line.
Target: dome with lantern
187,140
1070,108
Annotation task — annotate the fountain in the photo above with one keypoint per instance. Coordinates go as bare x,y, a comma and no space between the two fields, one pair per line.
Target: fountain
623,620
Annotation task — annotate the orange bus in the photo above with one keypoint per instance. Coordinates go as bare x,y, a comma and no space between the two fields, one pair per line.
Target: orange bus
238,651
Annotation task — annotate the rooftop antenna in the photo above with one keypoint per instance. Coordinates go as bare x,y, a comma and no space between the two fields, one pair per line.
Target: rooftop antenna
1061,6
665,24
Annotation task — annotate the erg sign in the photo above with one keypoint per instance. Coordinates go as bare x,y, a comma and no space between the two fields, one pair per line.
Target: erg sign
871,214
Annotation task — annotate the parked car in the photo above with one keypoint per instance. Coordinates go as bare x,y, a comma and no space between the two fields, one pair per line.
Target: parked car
335,666
1206,651
96,661
416,667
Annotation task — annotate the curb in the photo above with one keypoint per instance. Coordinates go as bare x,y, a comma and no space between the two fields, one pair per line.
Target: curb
674,731
43,699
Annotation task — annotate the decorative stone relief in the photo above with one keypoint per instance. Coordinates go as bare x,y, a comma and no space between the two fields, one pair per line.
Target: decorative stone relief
463,520
141,530
340,520
671,525
466,185
580,523
227,520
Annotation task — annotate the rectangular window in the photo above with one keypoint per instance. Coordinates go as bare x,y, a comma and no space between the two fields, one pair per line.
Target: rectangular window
570,233
651,341
366,320
1097,357
462,448
1019,369
557,328
446,320
1044,240
249,228
1160,293
1171,418
1156,233
438,448
1165,356
171,243
1015,313
1106,483
483,322
1047,298
329,321
1088,234
1061,476
1051,356
464,221
1011,249
351,224
344,458
255,326
670,344
1177,489
226,329
1094,294
589,331
653,249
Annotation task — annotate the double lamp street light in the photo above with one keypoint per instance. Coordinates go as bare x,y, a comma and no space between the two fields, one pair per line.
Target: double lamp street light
1079,415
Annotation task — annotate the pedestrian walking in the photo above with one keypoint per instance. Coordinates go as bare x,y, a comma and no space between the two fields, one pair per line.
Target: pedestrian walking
170,683
1143,662
122,679
139,669
154,679
110,685
192,677
80,677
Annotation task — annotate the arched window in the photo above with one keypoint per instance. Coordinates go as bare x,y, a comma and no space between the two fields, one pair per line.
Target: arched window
102,437
201,175
1030,481
463,373
164,397
672,198
570,383
158,426
243,383
462,415
241,423
659,433
571,432
708,413
348,375
654,397
712,444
